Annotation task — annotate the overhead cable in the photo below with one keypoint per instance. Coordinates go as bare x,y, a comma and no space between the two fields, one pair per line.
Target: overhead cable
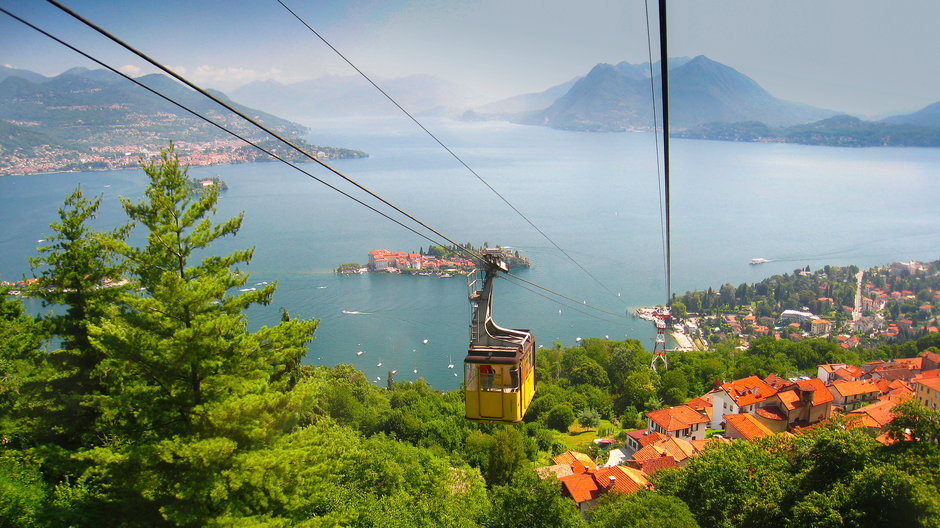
445,147
207,120
272,133
659,182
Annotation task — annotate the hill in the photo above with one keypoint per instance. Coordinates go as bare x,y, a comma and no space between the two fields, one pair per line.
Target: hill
613,98
837,131
929,116
93,119
521,104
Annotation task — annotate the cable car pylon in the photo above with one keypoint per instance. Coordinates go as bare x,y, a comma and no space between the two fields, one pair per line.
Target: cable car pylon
663,319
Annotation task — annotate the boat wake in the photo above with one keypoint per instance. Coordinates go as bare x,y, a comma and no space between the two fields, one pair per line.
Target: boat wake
353,312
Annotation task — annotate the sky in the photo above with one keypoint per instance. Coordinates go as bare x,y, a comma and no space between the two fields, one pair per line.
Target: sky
865,57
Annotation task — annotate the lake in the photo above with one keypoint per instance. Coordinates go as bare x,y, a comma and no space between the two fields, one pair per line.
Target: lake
595,195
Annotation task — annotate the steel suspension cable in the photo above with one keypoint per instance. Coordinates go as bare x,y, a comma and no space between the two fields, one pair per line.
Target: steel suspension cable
270,132
209,121
265,129
659,182
665,98
445,147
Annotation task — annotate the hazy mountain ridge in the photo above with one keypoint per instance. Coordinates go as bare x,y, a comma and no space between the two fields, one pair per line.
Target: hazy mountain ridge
613,98
838,131
94,119
929,116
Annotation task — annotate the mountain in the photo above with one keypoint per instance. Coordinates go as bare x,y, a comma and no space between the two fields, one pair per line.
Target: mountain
612,98
83,105
929,116
92,119
520,104
6,71
338,96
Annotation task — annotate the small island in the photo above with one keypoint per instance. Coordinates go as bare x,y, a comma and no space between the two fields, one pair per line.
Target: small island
440,261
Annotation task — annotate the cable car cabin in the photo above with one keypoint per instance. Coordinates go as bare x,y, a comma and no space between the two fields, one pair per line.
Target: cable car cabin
499,370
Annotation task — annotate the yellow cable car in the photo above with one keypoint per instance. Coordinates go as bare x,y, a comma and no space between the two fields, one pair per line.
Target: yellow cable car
499,370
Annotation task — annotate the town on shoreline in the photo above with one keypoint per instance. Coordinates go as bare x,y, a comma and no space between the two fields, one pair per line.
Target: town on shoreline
846,305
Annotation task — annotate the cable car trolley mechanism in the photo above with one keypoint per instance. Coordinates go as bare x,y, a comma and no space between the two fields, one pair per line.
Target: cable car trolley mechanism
499,370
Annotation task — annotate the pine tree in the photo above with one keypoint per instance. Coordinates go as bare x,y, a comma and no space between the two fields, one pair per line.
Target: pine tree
77,269
188,387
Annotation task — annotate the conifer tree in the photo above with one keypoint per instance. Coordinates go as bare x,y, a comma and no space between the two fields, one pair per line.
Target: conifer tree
188,386
77,270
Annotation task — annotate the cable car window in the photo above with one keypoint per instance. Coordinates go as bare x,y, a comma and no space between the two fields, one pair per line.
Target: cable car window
513,379
488,377
470,377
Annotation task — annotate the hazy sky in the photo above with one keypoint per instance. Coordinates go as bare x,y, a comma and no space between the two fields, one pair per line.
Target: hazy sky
868,57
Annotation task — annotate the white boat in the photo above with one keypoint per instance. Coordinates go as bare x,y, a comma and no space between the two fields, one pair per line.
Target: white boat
360,353
379,364
425,341
758,261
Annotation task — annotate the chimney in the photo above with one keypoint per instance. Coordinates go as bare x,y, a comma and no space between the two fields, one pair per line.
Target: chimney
611,480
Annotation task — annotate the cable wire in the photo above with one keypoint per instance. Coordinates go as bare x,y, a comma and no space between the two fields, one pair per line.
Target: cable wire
207,120
563,296
665,98
445,147
265,129
659,182
273,134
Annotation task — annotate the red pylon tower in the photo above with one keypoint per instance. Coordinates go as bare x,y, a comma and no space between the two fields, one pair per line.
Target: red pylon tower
659,346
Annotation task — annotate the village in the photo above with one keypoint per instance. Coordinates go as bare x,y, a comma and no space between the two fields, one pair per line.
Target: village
885,307
745,410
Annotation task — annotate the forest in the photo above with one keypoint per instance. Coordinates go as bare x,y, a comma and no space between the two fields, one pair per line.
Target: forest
144,400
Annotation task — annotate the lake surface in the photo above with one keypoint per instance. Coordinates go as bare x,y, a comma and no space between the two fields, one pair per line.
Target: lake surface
595,195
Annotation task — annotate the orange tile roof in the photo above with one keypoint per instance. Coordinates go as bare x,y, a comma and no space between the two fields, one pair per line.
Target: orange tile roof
626,479
748,390
581,488
789,399
932,382
771,413
649,452
821,394
915,363
853,388
655,464
652,438
569,457
775,381
747,425
879,412
677,448
676,418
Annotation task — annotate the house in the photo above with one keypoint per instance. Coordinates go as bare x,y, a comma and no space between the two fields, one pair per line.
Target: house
745,426
794,316
574,458
850,395
820,327
827,372
802,402
739,396
584,488
929,360
878,414
680,421
927,391
678,449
